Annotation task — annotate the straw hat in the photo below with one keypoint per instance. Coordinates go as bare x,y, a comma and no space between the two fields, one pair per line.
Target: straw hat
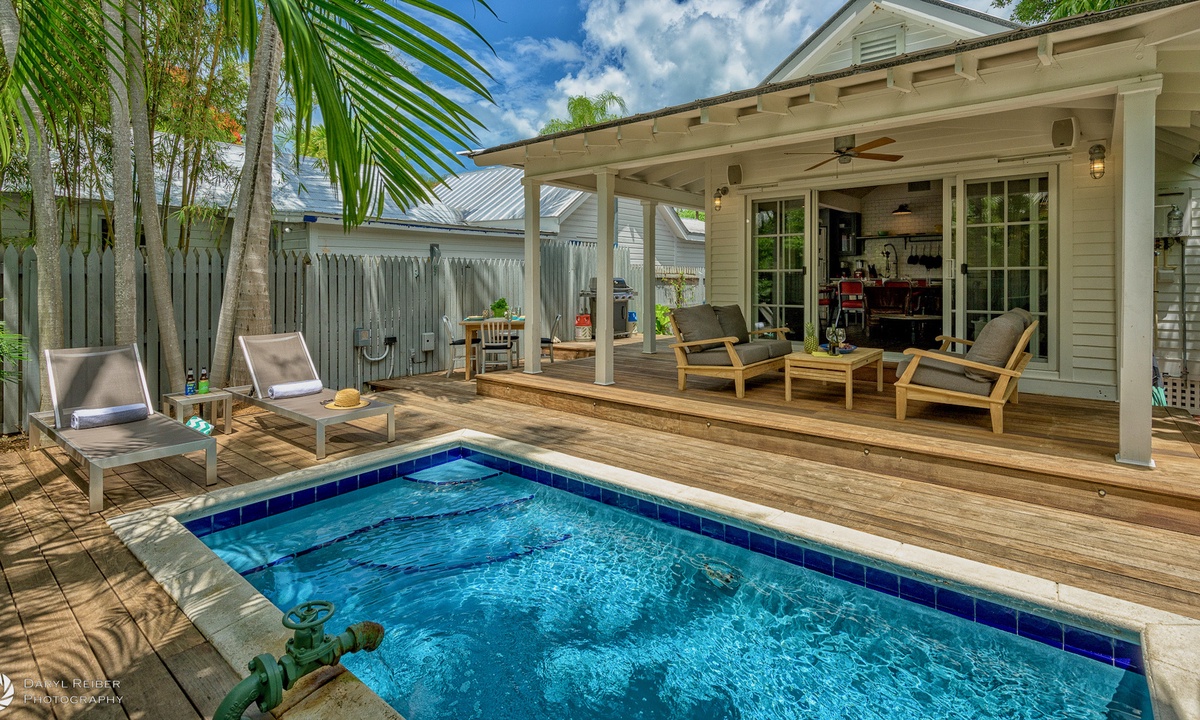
347,399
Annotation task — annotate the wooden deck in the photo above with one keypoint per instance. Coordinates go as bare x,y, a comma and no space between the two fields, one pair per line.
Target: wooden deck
74,603
1055,451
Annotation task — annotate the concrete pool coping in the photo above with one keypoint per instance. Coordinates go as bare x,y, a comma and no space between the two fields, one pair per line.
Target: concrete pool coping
241,623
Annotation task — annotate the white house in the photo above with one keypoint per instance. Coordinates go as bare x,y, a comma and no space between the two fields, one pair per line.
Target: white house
1027,158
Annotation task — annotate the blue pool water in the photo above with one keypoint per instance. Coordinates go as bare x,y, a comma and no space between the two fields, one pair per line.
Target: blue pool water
508,599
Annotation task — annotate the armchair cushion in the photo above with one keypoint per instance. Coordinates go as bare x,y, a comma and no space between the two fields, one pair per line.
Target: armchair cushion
698,322
945,375
733,322
995,344
748,353
777,348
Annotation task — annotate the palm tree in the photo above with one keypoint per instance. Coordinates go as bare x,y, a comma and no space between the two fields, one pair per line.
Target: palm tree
387,129
583,111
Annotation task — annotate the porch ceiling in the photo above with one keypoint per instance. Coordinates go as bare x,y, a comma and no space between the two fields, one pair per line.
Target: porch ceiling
988,98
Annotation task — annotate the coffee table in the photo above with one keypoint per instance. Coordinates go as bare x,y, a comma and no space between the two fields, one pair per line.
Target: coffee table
840,368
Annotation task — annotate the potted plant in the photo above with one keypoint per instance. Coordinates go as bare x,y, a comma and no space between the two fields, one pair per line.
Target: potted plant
500,308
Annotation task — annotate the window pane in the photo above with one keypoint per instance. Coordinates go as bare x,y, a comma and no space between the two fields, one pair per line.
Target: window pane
1018,200
1018,289
765,288
793,288
792,252
976,286
976,246
976,197
1018,245
793,216
975,323
1043,198
793,319
1039,238
1043,293
766,253
996,291
996,246
765,220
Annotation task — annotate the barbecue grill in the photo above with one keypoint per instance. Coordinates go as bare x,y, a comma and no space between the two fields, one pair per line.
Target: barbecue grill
622,294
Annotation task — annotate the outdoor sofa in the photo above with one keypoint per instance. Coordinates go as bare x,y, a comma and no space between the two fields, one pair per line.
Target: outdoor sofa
985,376
715,342
283,359
106,387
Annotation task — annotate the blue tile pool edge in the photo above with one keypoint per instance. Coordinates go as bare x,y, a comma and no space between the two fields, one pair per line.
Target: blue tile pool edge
936,595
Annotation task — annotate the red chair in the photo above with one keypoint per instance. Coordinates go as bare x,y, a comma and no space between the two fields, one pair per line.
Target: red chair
852,299
897,283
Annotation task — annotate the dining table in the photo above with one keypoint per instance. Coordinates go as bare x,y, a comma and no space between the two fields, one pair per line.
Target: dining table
471,327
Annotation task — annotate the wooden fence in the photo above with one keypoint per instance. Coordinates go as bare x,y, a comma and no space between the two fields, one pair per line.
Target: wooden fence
325,296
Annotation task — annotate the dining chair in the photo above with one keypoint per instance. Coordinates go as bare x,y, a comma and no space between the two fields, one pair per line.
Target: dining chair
496,341
852,299
455,345
548,342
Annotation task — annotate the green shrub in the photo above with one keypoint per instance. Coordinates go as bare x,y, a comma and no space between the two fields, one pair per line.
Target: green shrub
12,350
662,320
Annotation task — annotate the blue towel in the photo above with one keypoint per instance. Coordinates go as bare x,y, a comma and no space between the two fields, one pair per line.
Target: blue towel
99,417
294,389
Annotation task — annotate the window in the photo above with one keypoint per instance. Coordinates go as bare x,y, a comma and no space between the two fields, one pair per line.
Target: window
1007,254
878,44
779,263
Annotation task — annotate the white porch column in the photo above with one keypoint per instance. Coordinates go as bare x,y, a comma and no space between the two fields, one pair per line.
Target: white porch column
602,324
532,334
1135,263
649,337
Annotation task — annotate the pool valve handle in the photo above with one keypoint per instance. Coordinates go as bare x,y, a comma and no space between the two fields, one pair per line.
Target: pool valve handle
308,650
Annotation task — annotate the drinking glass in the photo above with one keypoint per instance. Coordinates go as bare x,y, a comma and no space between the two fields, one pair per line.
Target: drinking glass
841,337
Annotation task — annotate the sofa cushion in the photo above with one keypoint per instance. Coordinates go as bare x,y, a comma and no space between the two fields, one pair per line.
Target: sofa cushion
748,353
1024,314
944,375
777,348
995,344
733,322
698,322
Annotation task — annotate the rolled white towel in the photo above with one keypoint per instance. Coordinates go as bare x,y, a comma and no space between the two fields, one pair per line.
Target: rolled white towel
295,389
85,418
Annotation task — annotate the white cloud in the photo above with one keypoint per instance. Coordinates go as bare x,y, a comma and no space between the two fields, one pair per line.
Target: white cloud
653,53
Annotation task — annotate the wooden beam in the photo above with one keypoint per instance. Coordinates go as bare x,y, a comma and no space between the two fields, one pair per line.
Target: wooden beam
641,132
900,80
967,67
824,94
719,115
673,125
1045,50
1174,118
626,187
602,138
774,104
540,150
572,144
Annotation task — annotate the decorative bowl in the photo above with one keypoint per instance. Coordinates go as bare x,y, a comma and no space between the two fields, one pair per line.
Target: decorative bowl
845,349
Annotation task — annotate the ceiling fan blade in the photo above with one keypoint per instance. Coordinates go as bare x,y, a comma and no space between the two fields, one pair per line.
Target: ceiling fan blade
877,142
814,167
879,156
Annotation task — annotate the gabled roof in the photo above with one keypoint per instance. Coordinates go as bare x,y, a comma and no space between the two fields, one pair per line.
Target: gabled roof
943,23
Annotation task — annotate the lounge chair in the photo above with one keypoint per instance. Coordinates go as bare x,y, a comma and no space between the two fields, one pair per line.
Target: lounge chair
87,381
283,359
984,377
714,342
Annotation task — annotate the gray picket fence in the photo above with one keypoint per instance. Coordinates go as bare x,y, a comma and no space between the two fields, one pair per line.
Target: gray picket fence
325,296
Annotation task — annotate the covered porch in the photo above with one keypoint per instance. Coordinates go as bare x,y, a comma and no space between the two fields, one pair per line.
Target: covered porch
1036,148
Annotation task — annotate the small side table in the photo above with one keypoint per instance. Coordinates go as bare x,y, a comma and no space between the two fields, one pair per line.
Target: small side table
182,405
801,365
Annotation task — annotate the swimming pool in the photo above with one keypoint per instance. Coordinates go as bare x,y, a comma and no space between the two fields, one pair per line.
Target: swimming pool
512,589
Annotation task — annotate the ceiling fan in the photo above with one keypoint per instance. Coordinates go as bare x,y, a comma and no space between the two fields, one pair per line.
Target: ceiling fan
844,150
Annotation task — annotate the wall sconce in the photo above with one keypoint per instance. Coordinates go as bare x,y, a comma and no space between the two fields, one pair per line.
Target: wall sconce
902,210
1096,157
717,195
1174,221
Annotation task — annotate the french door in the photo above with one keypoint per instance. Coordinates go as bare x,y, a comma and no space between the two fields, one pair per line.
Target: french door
779,263
1005,251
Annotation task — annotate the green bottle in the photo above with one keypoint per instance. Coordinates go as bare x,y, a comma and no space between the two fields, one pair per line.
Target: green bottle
202,386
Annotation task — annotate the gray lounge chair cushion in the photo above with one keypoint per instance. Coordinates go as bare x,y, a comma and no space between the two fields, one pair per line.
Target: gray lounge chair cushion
944,375
748,353
1024,314
995,344
776,348
733,322
698,322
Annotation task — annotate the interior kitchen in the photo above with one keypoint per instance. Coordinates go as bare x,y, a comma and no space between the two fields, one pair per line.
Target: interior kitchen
880,258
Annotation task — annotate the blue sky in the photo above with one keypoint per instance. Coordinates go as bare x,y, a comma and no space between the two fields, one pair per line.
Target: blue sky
652,53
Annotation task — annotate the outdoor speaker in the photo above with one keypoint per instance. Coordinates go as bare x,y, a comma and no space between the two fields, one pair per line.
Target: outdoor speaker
1064,133
735,174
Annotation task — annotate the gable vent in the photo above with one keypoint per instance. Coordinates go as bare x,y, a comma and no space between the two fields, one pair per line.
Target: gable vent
878,44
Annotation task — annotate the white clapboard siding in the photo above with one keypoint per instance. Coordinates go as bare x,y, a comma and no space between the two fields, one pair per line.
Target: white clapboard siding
580,226
726,265
1092,273
1178,299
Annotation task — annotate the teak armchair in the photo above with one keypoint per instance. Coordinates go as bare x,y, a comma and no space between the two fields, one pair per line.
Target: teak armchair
943,377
